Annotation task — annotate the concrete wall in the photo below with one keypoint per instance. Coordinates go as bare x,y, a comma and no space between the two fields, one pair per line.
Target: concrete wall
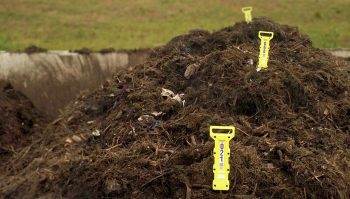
53,79
340,52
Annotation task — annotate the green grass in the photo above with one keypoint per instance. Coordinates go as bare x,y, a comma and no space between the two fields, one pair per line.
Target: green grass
6,43
96,24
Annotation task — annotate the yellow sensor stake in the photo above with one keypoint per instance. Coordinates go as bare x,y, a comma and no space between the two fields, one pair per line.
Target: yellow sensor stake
221,166
247,14
265,38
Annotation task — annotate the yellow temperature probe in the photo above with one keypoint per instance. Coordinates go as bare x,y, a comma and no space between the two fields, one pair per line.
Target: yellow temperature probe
265,38
221,167
247,14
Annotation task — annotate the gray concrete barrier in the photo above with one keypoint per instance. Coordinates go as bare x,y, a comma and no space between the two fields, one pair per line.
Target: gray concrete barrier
340,52
53,79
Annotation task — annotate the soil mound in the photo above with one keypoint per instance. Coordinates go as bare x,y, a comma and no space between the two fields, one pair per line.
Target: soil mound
146,133
34,49
83,51
18,119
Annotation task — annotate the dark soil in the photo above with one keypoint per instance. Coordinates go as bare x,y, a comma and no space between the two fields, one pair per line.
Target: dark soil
107,50
18,121
292,120
83,51
34,49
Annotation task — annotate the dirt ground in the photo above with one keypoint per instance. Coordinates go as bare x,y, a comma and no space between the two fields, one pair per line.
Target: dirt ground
128,140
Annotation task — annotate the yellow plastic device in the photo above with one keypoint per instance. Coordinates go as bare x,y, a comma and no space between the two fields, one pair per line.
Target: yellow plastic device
221,167
265,38
247,14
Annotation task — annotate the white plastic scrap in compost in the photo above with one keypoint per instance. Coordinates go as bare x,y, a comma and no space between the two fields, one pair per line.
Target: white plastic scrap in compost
96,133
170,94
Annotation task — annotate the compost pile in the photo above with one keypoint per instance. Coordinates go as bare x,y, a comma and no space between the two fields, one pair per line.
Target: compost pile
146,133
18,121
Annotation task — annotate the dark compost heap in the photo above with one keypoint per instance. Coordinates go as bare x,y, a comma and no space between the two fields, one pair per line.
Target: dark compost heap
126,140
19,121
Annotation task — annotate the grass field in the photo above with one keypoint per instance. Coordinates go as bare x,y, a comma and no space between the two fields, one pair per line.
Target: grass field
96,24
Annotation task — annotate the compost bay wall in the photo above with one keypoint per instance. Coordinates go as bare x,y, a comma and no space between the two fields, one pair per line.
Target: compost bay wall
53,79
